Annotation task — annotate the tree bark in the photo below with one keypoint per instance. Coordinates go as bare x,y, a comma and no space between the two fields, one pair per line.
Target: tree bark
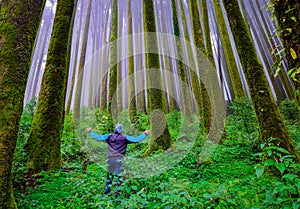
236,82
113,72
160,136
270,121
43,145
131,80
19,24
204,104
186,98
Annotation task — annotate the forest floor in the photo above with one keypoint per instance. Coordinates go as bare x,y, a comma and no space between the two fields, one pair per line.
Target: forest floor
234,176
227,180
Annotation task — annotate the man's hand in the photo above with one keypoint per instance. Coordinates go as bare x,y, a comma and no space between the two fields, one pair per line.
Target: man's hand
88,130
147,132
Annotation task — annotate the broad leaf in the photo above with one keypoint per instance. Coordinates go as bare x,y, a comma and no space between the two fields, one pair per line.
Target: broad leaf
280,167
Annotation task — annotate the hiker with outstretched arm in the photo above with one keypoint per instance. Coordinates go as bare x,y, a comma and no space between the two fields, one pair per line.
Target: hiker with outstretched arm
116,150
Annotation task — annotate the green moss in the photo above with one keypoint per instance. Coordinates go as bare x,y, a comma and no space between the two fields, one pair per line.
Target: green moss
17,33
113,54
131,81
205,20
154,80
44,142
199,89
231,64
270,122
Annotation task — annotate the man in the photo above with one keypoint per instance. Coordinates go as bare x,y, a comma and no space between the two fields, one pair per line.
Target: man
116,147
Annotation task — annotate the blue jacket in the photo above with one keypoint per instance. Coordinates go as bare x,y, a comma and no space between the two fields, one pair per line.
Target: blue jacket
117,143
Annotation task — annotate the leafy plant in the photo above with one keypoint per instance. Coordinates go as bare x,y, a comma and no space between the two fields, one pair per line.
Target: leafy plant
289,110
241,124
285,190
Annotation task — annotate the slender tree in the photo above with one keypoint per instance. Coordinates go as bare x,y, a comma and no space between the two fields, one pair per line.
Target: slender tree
230,60
288,20
275,85
43,145
131,80
113,72
81,67
204,104
104,58
120,48
266,110
267,24
167,64
186,99
199,43
19,23
160,136
76,55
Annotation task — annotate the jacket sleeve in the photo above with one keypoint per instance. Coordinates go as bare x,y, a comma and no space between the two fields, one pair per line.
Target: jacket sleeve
134,139
99,137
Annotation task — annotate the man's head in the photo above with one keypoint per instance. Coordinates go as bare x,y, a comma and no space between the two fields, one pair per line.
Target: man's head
118,128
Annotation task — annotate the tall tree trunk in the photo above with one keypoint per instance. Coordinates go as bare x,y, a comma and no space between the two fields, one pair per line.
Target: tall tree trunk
119,62
199,43
78,93
160,136
186,98
76,52
287,16
104,64
273,44
19,23
203,104
230,60
167,63
43,145
131,80
266,110
113,72
275,85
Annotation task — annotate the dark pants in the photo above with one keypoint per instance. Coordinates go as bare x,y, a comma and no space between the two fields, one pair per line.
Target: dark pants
115,168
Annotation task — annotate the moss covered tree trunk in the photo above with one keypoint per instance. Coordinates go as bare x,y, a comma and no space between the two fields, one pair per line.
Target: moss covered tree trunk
288,20
104,66
131,80
198,41
113,71
204,104
235,78
19,23
266,110
120,47
186,98
43,145
160,136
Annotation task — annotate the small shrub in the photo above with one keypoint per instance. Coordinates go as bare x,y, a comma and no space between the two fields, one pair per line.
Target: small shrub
241,124
289,110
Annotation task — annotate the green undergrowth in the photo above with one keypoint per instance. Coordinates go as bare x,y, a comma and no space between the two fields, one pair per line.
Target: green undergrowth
227,180
232,176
